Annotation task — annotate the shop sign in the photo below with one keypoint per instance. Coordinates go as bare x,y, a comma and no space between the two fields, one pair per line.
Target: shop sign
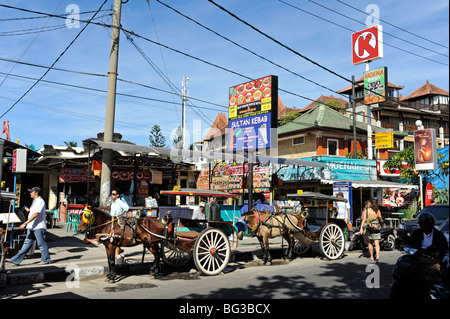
252,114
367,45
153,177
387,172
230,178
340,168
375,86
74,175
384,140
19,164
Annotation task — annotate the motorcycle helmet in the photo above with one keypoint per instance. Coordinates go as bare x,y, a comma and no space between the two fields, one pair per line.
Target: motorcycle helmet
426,218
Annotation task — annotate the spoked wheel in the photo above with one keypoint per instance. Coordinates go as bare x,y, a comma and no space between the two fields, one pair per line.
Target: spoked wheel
212,251
174,256
300,248
332,241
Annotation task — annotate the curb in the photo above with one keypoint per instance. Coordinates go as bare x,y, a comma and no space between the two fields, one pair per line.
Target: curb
74,272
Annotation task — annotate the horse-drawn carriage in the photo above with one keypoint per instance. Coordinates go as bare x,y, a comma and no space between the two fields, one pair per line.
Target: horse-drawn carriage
300,229
177,240
319,227
206,241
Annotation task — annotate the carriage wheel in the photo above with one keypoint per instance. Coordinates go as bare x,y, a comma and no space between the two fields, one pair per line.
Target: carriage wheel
212,251
300,248
174,256
332,241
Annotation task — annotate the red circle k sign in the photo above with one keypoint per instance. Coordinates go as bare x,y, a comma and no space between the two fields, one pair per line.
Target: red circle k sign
367,45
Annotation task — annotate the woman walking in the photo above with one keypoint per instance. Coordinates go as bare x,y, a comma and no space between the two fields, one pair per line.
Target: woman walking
371,223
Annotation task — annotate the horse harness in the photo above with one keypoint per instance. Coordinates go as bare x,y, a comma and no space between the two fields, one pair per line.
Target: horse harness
267,221
88,218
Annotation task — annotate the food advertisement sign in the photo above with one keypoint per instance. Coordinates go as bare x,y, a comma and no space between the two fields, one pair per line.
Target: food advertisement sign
425,149
252,114
375,86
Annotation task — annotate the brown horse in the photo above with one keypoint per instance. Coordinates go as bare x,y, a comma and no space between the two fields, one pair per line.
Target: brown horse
265,225
111,235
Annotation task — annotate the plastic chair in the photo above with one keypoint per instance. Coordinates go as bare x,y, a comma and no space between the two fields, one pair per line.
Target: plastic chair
71,222
55,216
76,221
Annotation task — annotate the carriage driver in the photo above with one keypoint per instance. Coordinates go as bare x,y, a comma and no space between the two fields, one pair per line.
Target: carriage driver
118,209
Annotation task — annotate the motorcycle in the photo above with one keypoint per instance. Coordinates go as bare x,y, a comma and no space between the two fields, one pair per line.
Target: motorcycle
387,241
414,274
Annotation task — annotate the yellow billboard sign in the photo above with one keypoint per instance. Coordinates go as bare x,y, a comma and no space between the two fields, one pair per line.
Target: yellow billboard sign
384,140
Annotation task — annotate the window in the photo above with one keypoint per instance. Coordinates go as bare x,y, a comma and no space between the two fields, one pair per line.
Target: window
333,147
298,140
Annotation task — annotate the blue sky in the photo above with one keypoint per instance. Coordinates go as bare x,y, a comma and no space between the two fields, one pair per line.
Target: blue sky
53,113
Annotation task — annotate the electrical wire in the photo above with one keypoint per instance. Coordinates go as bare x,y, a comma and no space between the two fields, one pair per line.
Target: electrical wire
353,31
416,35
59,57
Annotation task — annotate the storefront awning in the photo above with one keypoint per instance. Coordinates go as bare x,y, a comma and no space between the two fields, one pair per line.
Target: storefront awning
371,184
316,196
198,192
209,156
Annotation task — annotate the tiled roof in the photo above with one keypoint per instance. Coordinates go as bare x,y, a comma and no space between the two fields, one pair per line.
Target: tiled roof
426,89
323,117
221,121
324,99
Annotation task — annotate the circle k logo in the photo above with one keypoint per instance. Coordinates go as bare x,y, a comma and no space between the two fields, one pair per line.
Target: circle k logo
367,45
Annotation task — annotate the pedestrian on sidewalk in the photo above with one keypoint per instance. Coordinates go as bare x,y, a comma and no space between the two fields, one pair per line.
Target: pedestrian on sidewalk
36,227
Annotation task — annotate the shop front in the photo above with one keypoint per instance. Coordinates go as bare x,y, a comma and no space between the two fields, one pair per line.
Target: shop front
358,174
233,179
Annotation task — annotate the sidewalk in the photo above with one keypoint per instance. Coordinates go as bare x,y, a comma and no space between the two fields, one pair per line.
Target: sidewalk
68,251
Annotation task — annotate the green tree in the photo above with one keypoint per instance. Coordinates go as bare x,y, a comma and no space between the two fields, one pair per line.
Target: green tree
71,144
411,176
288,117
156,138
177,138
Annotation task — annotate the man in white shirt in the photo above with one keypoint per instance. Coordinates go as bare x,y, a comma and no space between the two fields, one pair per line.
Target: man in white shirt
343,208
199,212
36,228
119,208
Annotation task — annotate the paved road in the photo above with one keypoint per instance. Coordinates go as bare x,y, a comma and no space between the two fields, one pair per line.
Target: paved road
312,277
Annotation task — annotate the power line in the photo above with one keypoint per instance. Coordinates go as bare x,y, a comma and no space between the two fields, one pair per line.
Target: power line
59,57
384,32
246,49
104,75
31,43
301,55
353,31
416,35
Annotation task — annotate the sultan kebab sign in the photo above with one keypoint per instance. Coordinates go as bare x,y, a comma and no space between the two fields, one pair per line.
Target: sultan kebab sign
252,114
367,45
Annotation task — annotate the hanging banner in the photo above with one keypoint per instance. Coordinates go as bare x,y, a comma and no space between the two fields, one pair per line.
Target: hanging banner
425,149
252,114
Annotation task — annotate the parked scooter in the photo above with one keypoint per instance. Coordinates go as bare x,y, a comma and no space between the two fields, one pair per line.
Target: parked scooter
387,241
414,275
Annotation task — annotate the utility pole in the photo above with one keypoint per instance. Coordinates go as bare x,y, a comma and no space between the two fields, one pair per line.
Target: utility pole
355,148
105,183
184,97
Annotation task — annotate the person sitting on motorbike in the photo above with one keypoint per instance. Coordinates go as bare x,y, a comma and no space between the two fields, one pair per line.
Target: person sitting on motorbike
429,238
